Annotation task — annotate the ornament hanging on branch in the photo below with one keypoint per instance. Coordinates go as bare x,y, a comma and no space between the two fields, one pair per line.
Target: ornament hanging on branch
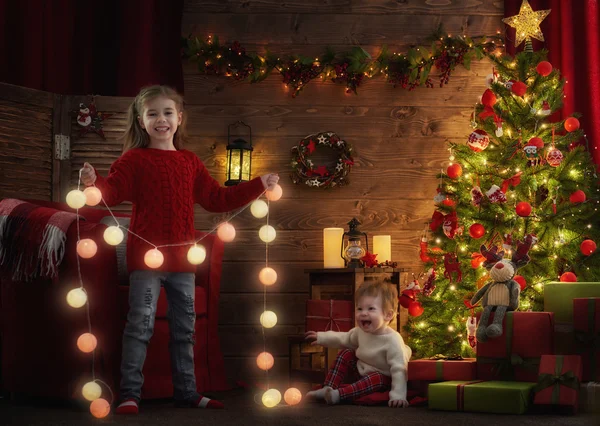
495,195
90,120
452,265
554,157
429,285
478,140
476,196
532,151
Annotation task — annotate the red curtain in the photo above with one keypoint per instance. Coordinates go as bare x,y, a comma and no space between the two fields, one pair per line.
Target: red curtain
572,37
107,47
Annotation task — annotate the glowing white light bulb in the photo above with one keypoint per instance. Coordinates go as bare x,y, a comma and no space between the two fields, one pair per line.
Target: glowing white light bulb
76,199
259,209
271,398
91,391
76,298
268,319
196,254
267,233
113,235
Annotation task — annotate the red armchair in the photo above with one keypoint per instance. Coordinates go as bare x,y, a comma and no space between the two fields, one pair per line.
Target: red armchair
38,330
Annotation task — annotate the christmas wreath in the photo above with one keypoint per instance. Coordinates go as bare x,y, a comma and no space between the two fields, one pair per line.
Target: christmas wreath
307,172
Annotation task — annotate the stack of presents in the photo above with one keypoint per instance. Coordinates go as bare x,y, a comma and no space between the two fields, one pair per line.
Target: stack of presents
543,361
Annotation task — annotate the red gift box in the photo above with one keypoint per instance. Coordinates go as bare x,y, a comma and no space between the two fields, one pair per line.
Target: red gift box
586,323
515,355
438,370
558,381
326,315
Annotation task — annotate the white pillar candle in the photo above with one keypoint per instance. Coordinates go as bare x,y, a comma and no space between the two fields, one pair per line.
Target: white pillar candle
332,243
382,247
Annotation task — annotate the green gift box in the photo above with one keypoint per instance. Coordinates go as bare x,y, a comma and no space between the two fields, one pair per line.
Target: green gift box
481,396
558,298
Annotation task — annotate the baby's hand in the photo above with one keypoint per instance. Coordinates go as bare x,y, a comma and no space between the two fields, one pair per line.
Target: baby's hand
311,336
88,175
269,181
398,403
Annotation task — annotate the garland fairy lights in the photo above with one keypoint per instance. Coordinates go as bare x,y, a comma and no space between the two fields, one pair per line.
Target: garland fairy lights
408,70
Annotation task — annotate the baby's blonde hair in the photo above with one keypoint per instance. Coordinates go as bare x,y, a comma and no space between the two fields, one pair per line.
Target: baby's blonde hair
135,136
387,291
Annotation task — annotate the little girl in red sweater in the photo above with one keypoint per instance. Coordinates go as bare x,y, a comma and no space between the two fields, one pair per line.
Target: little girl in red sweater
163,181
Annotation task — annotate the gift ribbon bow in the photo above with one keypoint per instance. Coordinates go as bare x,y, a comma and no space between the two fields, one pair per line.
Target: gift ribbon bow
546,380
488,111
332,321
512,181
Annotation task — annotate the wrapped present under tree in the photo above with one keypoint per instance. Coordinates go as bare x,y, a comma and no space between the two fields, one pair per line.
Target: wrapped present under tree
515,355
329,315
559,380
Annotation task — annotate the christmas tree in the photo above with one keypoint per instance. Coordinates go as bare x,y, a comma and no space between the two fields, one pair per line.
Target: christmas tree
521,172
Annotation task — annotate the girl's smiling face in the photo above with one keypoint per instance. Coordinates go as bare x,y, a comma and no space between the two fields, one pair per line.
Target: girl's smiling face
161,119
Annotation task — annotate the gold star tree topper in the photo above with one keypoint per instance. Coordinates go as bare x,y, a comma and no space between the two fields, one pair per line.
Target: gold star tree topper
527,23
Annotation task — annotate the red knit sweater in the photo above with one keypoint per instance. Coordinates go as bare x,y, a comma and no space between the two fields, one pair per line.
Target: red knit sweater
163,187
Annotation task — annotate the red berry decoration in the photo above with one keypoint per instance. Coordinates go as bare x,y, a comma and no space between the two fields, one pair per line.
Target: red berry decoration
521,281
523,209
571,124
544,68
568,277
577,197
519,88
587,247
488,98
477,230
415,309
454,171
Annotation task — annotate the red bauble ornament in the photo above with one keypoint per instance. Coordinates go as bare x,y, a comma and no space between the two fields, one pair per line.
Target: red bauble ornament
521,281
415,309
523,209
519,88
454,171
476,230
554,157
488,98
568,277
449,202
571,124
587,247
577,197
478,140
544,68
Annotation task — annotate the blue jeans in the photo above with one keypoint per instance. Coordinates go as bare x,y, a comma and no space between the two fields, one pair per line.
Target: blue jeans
143,296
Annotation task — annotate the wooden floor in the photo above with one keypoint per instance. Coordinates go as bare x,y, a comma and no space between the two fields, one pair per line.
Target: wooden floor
241,409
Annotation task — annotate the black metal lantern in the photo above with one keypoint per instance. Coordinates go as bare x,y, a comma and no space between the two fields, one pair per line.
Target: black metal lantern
239,157
353,249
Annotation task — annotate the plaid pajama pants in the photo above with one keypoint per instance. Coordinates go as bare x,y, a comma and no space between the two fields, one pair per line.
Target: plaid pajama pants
345,366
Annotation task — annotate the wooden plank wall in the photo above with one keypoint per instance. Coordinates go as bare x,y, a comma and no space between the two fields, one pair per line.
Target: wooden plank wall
26,155
399,136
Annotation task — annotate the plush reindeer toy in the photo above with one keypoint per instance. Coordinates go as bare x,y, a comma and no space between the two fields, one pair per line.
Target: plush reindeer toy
502,293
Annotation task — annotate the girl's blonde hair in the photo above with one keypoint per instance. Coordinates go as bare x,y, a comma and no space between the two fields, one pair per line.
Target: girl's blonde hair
135,136
387,291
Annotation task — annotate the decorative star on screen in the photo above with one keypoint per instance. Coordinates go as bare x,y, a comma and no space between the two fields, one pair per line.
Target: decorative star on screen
527,23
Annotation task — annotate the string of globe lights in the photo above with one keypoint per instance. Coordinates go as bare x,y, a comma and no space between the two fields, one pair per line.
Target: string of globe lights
113,235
